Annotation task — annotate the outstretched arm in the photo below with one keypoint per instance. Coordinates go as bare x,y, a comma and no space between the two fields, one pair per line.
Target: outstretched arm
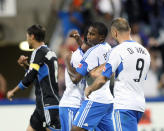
12,92
27,80
30,74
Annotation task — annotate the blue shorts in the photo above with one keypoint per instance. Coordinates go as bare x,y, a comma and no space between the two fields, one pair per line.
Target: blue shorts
127,120
92,114
67,115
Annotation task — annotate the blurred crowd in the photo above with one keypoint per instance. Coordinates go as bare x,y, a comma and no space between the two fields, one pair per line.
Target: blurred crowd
146,18
3,87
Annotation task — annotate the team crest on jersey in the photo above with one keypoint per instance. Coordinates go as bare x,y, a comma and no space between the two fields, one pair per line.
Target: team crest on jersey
80,65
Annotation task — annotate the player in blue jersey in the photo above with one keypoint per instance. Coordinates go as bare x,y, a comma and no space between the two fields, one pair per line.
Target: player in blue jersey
130,62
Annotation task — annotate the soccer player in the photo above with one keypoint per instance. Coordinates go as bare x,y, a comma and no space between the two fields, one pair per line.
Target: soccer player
43,71
130,62
97,110
74,93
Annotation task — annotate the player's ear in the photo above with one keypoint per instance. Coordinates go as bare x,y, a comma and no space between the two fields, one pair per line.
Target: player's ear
114,30
114,33
32,36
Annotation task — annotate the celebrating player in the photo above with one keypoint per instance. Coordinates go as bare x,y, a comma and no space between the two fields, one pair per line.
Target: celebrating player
130,62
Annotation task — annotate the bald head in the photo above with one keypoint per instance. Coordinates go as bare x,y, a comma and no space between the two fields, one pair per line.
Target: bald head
120,24
120,30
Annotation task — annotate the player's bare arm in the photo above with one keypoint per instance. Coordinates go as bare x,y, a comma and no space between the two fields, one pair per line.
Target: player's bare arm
22,61
75,77
12,92
97,84
96,72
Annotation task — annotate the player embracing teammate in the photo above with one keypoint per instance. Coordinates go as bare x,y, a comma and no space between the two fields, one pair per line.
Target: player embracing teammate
87,103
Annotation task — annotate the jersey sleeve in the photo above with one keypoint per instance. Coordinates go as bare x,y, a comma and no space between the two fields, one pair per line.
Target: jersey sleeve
114,64
76,57
88,63
74,62
33,69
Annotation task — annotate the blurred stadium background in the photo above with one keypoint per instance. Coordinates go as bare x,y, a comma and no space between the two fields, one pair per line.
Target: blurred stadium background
146,18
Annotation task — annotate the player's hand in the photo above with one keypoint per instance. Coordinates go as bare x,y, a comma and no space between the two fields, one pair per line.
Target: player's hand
22,61
88,91
75,34
10,94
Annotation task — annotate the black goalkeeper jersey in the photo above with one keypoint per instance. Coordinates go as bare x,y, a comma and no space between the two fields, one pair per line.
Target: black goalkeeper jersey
43,71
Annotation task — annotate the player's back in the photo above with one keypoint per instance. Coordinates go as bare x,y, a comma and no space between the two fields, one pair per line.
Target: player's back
74,93
130,74
46,86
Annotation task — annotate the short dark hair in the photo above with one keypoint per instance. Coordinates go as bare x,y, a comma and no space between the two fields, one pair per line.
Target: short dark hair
101,27
38,31
120,24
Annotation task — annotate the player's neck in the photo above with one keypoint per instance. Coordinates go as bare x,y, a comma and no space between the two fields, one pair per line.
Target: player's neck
124,38
38,44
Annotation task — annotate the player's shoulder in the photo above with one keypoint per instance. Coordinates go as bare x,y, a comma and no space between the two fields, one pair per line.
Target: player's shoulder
97,49
140,45
91,51
46,52
105,45
144,48
78,53
129,44
42,49
117,48
38,51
